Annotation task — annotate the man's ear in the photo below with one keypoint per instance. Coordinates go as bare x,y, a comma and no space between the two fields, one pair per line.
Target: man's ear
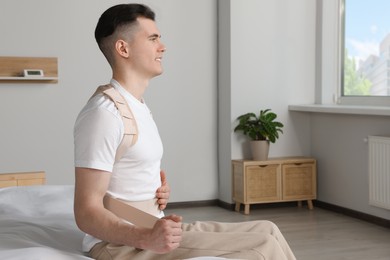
122,48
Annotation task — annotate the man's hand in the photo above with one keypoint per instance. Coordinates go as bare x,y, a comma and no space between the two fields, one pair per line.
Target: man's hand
162,193
166,235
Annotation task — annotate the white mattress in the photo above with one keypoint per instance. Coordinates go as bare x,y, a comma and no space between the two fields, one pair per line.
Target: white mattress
37,222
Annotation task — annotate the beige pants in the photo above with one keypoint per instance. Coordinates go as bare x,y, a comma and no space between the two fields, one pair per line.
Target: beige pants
244,240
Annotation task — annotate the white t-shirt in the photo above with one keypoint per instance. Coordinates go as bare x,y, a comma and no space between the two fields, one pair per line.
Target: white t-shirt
98,132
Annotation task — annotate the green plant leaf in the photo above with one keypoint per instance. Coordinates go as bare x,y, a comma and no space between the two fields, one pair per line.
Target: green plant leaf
262,127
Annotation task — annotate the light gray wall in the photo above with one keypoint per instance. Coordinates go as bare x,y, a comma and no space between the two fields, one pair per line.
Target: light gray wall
37,120
271,49
266,56
271,63
338,141
224,100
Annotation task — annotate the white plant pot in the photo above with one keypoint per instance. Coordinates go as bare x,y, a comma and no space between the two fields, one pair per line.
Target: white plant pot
260,150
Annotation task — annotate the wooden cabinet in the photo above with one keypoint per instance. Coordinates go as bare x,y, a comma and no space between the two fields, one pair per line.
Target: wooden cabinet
274,180
22,179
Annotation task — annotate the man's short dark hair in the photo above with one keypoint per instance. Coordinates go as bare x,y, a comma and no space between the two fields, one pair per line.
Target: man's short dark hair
118,16
119,21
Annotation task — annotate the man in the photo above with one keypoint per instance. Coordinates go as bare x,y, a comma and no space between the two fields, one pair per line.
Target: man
130,40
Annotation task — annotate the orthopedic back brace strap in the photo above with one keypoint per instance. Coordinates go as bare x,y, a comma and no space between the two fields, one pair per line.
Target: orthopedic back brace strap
118,207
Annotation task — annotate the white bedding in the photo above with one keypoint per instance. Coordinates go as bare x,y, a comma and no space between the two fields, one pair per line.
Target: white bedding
37,223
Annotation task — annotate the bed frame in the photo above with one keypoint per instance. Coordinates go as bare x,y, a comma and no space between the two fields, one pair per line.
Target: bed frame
22,179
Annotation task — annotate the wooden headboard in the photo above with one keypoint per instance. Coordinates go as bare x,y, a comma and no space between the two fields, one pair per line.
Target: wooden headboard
22,179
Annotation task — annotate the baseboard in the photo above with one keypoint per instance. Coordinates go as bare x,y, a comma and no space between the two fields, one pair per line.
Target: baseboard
353,213
192,204
225,205
229,206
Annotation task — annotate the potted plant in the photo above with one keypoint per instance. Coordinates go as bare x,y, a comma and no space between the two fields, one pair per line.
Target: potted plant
261,129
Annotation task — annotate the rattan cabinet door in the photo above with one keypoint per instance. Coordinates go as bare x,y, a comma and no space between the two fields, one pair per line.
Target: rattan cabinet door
263,183
299,181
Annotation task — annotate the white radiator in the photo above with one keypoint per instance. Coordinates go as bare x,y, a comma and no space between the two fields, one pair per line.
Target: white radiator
379,171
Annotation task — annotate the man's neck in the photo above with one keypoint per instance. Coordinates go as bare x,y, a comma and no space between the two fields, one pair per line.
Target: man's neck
134,86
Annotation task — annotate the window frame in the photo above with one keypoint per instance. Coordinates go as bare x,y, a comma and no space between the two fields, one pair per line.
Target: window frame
330,25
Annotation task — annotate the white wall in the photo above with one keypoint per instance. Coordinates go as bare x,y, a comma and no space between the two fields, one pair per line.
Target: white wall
337,140
338,144
266,57
269,63
36,131
271,47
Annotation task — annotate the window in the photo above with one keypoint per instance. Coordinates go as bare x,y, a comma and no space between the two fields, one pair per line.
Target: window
364,35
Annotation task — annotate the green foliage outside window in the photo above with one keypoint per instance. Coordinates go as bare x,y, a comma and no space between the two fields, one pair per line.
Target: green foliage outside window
354,84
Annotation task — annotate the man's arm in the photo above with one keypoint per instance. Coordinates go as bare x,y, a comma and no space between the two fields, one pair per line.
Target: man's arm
92,218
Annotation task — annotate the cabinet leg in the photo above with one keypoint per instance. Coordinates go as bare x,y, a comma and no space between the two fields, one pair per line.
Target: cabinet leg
310,204
246,211
237,206
299,204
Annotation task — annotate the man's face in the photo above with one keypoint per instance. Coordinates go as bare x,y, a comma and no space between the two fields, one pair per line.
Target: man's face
146,49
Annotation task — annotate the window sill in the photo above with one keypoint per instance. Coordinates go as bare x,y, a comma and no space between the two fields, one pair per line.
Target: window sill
342,109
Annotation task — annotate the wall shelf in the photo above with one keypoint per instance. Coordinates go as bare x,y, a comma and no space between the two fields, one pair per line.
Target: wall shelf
11,69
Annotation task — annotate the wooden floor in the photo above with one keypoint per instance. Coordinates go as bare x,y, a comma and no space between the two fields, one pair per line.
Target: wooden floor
315,234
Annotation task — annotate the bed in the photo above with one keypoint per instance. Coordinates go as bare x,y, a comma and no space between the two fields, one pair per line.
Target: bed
36,220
